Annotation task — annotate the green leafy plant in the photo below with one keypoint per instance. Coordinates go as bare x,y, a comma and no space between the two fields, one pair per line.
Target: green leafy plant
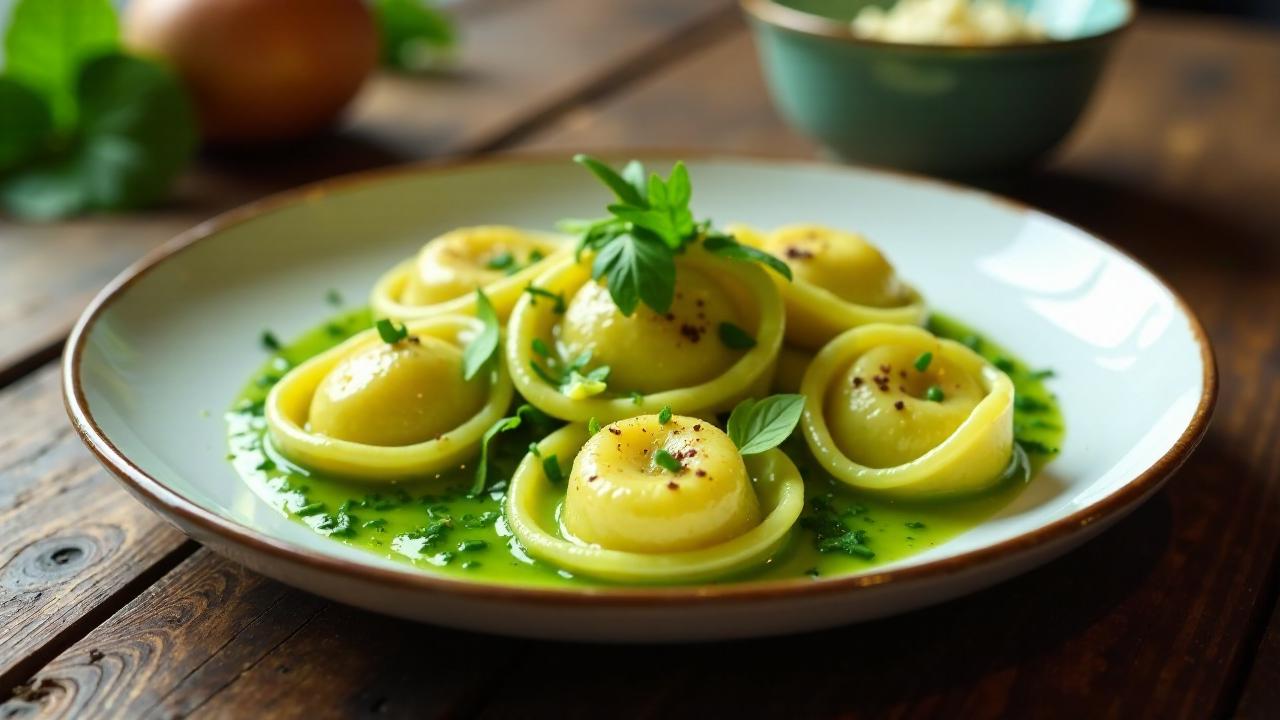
85,127
524,413
759,425
415,34
636,247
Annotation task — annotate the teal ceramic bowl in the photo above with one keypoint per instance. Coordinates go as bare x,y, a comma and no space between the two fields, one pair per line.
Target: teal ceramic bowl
948,110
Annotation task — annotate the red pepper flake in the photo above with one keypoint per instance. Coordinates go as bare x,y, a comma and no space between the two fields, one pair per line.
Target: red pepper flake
672,485
798,253
697,428
593,478
885,369
857,382
700,472
670,316
690,332
899,405
615,431
902,373
699,302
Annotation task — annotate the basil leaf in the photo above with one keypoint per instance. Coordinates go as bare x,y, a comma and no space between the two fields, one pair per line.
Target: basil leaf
756,426
635,269
726,246
24,124
625,191
679,189
47,190
484,345
524,413
735,338
634,174
390,332
47,42
414,35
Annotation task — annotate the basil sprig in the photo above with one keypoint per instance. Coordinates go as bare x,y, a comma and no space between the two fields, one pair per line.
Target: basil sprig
484,345
636,246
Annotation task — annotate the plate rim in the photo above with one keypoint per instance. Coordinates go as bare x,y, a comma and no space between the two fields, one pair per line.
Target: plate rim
171,504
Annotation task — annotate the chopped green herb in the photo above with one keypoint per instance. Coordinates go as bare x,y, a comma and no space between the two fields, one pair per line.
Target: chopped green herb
636,398
1026,403
267,464
484,345
664,415
540,347
915,524
813,572
389,332
535,255
830,533
533,450
472,545
269,341
375,524
593,426
934,394
759,425
557,298
334,330
333,297
1035,447
922,362
1005,365
470,564
1042,374
551,468
726,246
667,461
735,338
502,261
973,342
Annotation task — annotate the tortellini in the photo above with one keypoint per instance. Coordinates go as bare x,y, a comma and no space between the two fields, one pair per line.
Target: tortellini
388,411
893,409
675,359
624,516
840,280
444,275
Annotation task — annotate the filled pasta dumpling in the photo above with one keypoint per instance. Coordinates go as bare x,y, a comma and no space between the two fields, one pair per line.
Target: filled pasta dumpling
840,280
381,410
447,271
651,501
893,409
575,355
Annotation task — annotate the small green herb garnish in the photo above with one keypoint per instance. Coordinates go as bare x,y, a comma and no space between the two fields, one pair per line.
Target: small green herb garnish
1005,365
556,298
472,545
934,394
735,338
572,378
414,35
648,226
390,332
831,533
533,450
551,468
314,508
480,349
269,341
922,362
664,415
636,398
759,425
593,426
1026,403
333,297
523,413
502,261
915,524
1041,374
667,461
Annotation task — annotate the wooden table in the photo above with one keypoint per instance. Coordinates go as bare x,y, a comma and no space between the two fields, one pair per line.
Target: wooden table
105,610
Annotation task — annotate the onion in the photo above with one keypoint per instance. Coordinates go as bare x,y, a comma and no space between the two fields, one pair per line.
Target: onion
260,70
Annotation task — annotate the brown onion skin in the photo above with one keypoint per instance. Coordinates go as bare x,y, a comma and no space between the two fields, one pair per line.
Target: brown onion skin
260,70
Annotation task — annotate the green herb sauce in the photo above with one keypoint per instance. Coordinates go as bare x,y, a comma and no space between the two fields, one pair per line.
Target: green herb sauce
438,527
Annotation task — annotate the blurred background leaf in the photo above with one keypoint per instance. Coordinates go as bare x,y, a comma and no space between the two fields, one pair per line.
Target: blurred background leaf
48,39
414,35
24,123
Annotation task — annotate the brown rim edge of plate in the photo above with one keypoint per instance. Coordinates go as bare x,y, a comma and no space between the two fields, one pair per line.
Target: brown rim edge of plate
144,485
774,14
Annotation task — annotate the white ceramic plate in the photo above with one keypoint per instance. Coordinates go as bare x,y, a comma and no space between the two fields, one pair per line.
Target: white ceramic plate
161,352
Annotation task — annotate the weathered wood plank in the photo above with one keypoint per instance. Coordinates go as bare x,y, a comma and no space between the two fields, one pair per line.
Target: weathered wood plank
1260,697
74,546
213,639
520,63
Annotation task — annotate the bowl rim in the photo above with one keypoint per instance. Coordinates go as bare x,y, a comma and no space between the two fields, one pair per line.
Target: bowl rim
775,14
172,504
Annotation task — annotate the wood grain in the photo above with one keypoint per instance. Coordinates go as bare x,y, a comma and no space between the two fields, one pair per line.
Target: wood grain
74,546
520,64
